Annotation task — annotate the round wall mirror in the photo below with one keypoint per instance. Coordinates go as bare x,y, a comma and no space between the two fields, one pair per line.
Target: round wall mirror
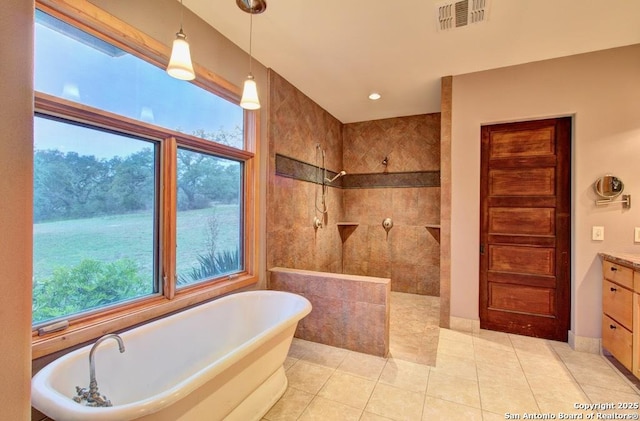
608,186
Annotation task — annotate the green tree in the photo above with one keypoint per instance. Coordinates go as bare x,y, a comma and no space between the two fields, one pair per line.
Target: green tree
203,179
68,185
132,185
81,186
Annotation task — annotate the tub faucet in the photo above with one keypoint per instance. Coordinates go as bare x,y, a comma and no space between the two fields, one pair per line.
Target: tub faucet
91,396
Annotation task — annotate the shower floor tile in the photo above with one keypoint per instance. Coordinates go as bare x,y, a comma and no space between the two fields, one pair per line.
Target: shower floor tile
413,330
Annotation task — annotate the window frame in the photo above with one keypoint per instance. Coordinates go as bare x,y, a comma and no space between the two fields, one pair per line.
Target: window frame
88,326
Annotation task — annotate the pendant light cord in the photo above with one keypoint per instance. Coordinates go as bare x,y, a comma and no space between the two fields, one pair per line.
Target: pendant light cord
181,14
250,38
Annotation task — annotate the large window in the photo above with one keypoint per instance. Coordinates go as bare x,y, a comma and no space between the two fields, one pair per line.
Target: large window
209,217
141,184
71,64
95,195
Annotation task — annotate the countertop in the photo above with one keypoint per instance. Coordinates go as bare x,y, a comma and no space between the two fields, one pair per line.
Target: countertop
629,259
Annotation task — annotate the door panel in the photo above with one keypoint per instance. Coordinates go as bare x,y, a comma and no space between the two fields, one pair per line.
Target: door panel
521,259
522,298
525,228
526,143
514,181
522,221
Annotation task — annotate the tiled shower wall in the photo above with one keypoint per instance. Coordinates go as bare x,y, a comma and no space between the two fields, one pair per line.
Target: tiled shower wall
296,126
408,253
406,190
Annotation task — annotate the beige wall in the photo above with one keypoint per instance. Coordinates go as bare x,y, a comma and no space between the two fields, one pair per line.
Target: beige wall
16,157
602,91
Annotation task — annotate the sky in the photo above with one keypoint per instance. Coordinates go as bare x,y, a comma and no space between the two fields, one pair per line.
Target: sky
79,67
52,134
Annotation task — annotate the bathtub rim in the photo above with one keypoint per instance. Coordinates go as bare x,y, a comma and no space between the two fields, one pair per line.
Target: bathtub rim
62,403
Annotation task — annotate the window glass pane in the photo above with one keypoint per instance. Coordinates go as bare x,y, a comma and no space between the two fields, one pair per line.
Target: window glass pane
72,64
209,217
94,218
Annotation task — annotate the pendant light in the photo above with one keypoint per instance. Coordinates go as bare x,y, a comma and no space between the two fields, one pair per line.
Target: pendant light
250,100
180,65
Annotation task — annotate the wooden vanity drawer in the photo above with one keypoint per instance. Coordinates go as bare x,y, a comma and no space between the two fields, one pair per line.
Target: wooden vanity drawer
617,340
617,302
618,274
636,281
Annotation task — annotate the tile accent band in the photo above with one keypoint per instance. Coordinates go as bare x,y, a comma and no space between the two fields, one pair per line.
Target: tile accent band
299,170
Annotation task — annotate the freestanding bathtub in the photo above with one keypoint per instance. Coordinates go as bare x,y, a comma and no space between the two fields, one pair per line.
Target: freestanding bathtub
222,360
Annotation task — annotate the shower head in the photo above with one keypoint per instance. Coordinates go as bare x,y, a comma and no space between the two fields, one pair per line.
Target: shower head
340,174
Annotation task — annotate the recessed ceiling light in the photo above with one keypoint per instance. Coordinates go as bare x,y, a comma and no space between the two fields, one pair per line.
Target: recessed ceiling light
374,96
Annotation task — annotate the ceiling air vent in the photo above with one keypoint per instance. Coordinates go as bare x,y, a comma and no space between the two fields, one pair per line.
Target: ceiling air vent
457,14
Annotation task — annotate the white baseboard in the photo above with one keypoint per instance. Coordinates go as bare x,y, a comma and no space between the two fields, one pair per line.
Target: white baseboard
584,343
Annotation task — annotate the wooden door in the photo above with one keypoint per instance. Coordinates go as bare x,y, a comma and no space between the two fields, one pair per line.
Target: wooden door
525,228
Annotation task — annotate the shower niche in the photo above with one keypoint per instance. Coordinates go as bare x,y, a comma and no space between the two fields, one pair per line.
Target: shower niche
346,229
434,230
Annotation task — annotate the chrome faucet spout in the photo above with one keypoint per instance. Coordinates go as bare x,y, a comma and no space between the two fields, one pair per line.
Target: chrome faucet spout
91,396
92,361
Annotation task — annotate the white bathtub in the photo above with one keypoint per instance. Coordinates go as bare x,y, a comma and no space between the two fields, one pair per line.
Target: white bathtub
220,360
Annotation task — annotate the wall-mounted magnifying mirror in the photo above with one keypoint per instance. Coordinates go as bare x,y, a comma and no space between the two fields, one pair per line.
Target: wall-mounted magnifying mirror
608,187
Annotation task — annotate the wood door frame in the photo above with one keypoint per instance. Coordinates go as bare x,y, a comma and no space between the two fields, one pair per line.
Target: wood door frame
563,230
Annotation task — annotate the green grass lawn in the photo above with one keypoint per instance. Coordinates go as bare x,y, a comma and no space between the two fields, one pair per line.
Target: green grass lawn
110,238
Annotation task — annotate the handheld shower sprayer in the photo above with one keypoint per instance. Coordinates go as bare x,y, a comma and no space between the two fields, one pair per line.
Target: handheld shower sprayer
322,188
340,174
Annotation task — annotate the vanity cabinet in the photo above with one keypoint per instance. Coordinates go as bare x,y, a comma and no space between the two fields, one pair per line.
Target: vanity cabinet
620,313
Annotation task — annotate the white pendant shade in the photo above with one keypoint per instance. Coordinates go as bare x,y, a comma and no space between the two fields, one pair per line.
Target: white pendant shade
180,65
250,99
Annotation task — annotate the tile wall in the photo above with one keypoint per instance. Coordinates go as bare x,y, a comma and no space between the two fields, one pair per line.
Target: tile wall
296,126
349,311
408,253
407,190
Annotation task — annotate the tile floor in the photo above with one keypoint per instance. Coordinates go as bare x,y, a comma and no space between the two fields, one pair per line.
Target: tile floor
413,327
488,376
